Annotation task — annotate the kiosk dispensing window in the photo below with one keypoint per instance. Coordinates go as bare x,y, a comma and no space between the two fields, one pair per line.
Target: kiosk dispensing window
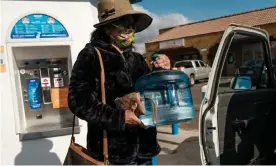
43,76
44,85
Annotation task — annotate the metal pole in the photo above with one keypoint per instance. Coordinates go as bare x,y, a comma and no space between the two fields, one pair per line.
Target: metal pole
175,125
175,128
154,161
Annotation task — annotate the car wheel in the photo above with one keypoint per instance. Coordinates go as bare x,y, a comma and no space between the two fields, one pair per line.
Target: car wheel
192,79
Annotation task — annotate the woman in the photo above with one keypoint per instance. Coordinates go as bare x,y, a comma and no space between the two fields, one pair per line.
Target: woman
128,143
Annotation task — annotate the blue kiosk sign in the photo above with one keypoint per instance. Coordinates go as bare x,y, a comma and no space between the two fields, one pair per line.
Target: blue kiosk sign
36,26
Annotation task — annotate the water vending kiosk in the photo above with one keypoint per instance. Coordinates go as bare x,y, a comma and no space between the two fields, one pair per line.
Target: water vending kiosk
39,57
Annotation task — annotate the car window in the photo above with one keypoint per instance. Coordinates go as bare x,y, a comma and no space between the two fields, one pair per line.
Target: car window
188,64
197,64
178,64
201,63
253,63
184,64
250,63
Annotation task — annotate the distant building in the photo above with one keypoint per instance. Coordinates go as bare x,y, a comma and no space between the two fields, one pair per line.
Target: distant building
199,40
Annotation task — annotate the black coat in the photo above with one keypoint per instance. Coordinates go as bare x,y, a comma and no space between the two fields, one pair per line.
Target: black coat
127,143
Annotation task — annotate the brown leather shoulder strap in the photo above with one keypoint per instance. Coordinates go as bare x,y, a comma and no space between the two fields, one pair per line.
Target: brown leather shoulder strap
102,76
105,143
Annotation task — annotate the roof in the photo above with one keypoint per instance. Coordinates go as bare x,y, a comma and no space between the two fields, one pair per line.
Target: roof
251,18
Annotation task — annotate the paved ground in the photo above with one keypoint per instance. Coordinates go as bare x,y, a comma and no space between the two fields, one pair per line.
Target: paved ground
183,148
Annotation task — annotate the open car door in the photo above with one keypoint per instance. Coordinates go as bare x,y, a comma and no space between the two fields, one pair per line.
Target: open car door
238,114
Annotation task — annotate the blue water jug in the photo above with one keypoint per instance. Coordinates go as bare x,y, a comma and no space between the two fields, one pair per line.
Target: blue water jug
171,93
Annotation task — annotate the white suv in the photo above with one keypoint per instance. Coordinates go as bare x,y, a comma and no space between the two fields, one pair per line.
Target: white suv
195,69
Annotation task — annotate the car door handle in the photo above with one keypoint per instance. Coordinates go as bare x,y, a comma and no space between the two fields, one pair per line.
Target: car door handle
241,124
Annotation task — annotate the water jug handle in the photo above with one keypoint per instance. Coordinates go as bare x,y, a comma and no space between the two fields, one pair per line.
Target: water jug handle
154,110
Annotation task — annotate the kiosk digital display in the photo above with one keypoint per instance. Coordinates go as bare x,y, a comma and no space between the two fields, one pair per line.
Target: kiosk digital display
35,26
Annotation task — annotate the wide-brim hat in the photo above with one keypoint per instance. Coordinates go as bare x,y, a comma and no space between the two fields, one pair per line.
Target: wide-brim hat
112,10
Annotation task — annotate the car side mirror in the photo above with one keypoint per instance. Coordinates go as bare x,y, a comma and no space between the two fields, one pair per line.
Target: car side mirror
241,82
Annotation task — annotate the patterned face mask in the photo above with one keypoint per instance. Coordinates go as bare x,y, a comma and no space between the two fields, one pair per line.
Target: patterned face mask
125,38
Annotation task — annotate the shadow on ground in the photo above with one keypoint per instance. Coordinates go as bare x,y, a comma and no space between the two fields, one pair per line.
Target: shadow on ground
187,153
37,152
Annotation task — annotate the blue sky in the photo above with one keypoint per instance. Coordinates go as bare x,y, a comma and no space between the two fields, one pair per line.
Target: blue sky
204,9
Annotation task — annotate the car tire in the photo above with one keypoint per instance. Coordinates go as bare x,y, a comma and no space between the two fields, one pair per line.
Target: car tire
192,80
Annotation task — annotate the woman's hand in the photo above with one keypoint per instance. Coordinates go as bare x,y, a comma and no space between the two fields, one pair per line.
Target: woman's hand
162,62
131,118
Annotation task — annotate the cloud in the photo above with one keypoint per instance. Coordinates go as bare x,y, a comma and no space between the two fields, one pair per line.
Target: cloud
159,22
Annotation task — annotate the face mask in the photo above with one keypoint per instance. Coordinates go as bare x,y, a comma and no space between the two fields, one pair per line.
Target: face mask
125,38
